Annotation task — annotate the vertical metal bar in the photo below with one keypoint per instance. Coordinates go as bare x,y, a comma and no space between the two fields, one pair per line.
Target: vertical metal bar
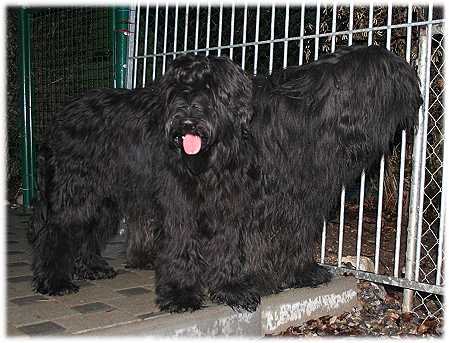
208,28
370,22
156,26
379,214
145,46
424,146
256,38
317,30
287,19
273,17
136,45
164,56
334,25
360,219
419,141
351,21
382,168
362,176
231,41
323,242
389,14
245,23
131,46
186,26
301,34
197,26
220,28
402,163
341,225
400,203
343,190
26,97
175,38
317,44
121,33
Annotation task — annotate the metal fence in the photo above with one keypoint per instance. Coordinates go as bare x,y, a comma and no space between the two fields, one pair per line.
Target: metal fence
390,227
64,52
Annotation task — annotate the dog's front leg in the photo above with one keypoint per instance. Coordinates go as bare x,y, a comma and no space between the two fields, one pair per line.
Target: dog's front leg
179,263
178,285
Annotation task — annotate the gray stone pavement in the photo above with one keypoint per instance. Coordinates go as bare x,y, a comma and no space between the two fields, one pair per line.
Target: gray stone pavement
125,305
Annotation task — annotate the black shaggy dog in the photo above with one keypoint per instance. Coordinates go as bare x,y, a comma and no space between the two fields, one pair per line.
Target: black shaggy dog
252,167
227,179
95,169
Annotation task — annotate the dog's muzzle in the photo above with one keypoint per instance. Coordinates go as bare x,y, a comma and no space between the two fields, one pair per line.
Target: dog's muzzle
190,136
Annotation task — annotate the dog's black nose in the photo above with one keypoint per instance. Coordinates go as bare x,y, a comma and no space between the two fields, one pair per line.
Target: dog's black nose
187,122
188,125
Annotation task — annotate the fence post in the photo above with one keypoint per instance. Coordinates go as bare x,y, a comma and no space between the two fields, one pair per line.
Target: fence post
120,18
418,174
28,166
131,45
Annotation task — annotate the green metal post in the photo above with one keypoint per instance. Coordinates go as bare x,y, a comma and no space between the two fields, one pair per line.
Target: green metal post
120,18
28,154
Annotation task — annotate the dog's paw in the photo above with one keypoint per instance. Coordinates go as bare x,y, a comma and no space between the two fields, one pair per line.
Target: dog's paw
237,298
54,286
94,269
139,265
179,300
93,273
313,276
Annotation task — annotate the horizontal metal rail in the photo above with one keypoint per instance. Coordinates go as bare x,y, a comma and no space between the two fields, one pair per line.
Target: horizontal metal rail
388,280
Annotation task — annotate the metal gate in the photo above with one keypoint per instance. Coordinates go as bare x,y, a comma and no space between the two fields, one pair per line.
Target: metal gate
391,228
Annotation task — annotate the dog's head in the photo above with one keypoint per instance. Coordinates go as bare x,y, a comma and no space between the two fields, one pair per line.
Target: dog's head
206,106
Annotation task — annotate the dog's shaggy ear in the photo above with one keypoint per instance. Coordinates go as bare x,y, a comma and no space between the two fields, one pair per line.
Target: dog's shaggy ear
235,89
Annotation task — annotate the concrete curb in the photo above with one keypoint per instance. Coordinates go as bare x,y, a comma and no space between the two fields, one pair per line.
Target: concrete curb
275,314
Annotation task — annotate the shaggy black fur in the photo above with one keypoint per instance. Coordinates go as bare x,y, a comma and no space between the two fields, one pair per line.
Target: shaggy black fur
239,218
242,216
96,169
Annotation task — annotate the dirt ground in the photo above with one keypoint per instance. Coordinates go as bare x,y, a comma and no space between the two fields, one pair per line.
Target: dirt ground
378,314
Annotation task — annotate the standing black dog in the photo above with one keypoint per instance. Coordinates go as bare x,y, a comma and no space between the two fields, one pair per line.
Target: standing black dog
252,167
233,175
96,168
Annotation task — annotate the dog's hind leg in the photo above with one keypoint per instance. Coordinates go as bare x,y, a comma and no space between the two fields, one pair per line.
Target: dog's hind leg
141,242
68,243
297,266
89,264
54,247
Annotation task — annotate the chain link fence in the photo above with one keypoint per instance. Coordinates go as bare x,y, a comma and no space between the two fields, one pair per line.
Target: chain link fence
13,108
72,51
431,258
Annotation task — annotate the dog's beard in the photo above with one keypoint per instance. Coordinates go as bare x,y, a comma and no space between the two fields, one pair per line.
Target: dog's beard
198,163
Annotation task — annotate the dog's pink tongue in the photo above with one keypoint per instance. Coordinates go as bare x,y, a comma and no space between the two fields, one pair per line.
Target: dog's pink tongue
191,144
